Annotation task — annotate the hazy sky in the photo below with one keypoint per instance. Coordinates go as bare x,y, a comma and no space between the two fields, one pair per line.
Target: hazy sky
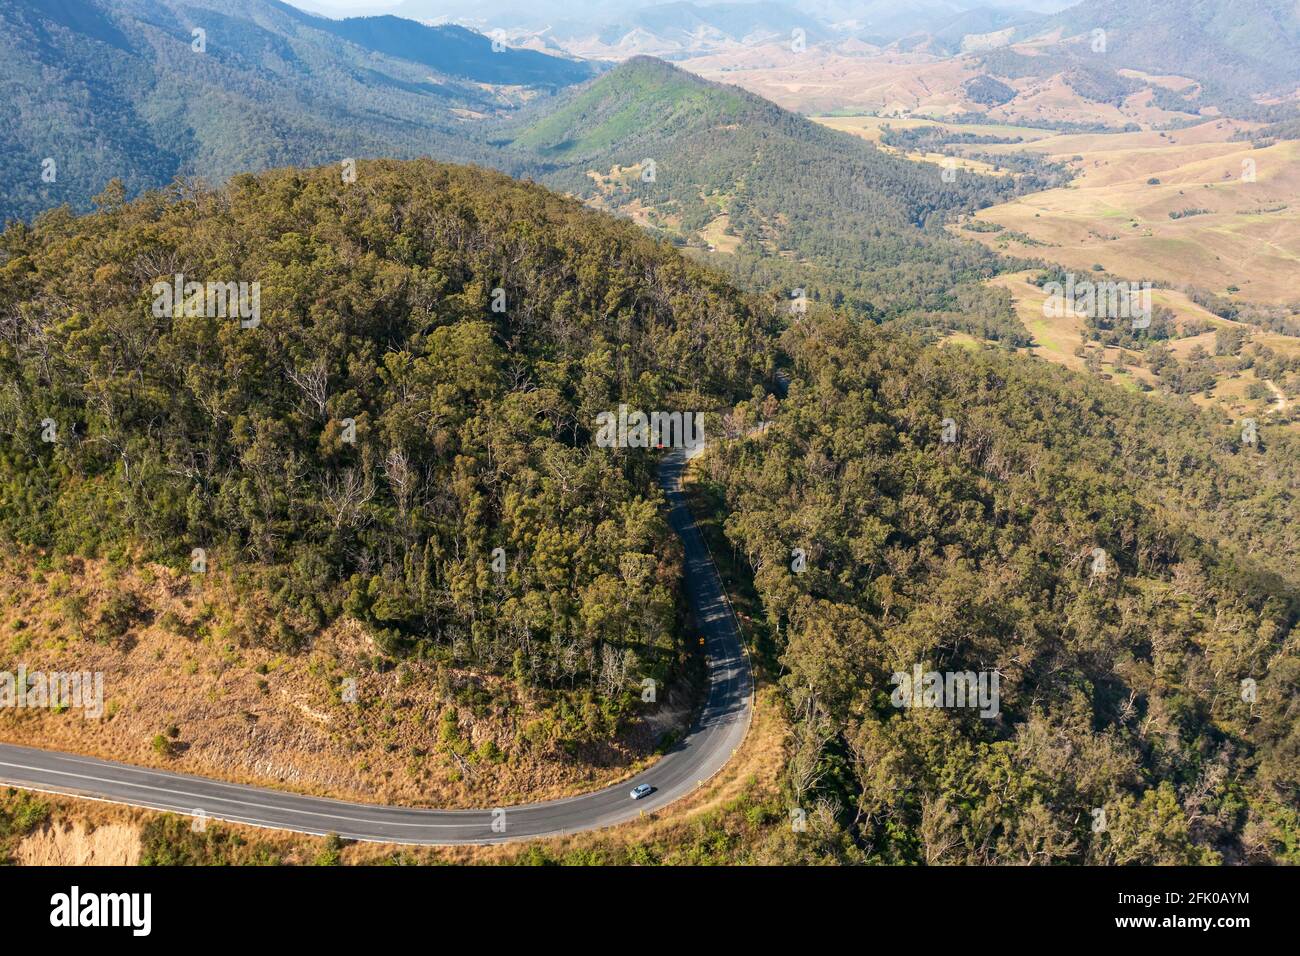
604,11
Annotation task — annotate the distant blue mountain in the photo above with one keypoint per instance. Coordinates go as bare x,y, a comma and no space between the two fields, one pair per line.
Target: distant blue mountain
453,50
103,89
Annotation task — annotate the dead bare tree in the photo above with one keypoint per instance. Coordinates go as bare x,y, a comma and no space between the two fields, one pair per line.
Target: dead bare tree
812,734
313,382
345,495
397,469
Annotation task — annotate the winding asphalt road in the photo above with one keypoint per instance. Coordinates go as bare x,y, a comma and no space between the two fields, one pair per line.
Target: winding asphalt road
715,736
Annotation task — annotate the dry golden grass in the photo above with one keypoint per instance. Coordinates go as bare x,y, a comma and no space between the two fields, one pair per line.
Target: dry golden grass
248,714
870,80
77,843
1057,337
1179,84
1248,236
715,235
1052,99
615,186
824,81
869,128
82,832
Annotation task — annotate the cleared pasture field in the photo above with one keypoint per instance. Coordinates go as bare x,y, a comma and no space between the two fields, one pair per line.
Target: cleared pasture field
1189,208
1056,339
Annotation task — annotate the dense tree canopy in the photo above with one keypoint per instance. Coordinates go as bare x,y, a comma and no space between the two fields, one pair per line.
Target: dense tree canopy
421,387
1147,697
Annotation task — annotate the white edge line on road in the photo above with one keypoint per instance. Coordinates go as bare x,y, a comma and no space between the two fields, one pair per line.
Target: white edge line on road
746,716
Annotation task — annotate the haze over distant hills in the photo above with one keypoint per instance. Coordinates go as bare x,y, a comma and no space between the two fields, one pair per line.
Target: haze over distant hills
1252,40
884,19
1099,62
1171,59
1243,47
685,28
98,89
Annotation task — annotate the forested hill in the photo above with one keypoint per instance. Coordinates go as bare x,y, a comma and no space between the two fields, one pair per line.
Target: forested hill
97,89
783,200
365,441
1124,566
419,386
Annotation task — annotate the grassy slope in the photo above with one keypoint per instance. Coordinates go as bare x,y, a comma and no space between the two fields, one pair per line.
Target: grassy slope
1114,215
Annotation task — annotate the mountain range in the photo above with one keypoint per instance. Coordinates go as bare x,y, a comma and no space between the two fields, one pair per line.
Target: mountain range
1099,64
146,90
774,199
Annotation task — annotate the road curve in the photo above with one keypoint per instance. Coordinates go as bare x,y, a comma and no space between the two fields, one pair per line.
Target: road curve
715,736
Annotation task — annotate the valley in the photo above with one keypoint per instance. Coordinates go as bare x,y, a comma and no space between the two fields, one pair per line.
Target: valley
1191,207
1203,211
